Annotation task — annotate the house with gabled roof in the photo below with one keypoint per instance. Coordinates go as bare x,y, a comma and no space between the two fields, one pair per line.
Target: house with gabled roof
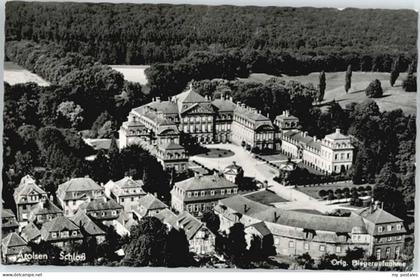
88,227
233,173
76,191
9,223
387,231
44,211
27,195
13,247
61,231
200,238
31,233
102,209
126,192
148,205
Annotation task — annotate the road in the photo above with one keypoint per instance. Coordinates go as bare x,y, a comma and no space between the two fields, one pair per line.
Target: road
262,172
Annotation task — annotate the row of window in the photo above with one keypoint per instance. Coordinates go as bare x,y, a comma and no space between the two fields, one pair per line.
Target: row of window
389,228
113,212
200,207
196,128
306,246
198,119
211,192
64,234
387,255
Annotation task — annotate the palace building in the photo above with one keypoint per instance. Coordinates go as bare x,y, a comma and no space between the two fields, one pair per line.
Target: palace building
158,126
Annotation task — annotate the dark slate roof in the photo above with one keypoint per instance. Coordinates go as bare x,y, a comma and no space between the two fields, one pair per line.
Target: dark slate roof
214,181
299,136
190,96
150,202
6,213
336,135
100,204
261,228
59,223
224,105
46,207
30,232
189,224
13,244
128,182
86,223
84,184
167,217
379,216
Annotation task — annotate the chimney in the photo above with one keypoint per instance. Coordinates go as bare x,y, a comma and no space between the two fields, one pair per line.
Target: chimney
276,217
239,103
234,162
315,138
231,98
337,131
157,99
287,113
268,115
245,208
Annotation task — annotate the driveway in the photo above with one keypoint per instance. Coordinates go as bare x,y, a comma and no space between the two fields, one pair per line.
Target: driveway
262,172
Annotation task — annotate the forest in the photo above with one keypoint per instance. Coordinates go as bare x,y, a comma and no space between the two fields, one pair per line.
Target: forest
303,39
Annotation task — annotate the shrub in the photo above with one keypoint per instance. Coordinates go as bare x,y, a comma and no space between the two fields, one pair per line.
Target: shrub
374,89
322,193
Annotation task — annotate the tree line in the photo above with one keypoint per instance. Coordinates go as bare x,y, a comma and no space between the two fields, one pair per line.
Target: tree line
147,33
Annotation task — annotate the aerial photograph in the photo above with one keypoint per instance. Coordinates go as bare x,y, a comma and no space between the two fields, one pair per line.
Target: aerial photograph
208,137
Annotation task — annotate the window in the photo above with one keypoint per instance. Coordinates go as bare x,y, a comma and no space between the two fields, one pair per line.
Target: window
397,251
338,249
132,198
276,241
380,229
74,233
195,193
203,193
122,200
189,194
235,191
389,228
53,235
291,244
65,234
398,227
378,254
212,192
114,212
322,248
306,246
389,238
399,237
388,252
228,191
222,192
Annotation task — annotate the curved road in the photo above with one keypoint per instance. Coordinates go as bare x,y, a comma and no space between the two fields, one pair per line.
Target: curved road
254,168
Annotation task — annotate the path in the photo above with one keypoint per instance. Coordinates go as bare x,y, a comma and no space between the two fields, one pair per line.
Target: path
262,172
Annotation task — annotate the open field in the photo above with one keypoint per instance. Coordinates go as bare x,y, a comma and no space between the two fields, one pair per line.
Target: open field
393,98
132,73
14,74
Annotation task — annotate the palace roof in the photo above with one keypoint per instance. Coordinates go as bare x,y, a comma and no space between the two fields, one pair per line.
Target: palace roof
336,135
77,185
224,105
379,216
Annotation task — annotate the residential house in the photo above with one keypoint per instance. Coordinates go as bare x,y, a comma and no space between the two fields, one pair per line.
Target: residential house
126,192
201,193
148,205
88,227
31,233
387,231
27,195
13,247
76,191
9,223
102,209
44,211
61,231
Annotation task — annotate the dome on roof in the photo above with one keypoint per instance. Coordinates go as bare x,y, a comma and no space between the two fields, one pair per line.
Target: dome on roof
232,169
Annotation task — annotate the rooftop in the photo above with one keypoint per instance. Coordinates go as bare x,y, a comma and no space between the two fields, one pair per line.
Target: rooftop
30,232
214,181
86,224
189,224
150,202
77,185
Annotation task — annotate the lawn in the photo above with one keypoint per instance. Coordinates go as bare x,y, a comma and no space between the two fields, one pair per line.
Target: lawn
266,197
132,73
14,74
216,153
393,98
